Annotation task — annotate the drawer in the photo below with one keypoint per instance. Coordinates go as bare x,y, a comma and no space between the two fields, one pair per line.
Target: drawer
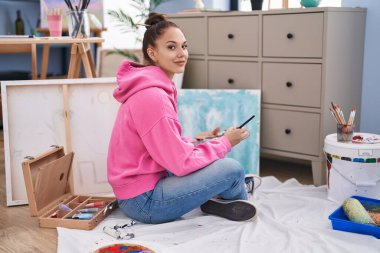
293,35
195,33
195,74
233,75
292,84
237,36
290,131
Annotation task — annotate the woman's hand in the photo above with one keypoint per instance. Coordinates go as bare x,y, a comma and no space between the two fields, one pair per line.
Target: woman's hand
207,135
236,135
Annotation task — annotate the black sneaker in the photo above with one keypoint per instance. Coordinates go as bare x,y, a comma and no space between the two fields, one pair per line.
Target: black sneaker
250,183
236,210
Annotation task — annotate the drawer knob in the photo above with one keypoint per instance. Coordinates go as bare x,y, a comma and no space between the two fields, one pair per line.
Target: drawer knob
230,81
289,84
288,131
230,36
290,36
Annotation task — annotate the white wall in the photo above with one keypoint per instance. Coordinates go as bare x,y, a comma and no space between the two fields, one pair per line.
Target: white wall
370,115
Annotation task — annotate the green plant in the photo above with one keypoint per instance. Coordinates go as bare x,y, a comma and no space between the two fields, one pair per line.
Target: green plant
130,24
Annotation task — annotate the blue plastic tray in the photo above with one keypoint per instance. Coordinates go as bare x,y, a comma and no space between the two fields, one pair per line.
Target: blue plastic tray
340,221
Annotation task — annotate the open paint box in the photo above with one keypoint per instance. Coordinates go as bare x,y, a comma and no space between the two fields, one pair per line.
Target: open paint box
47,181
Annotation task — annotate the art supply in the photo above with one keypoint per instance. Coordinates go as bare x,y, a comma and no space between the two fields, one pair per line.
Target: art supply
89,210
54,215
344,130
374,139
54,20
239,127
82,216
95,204
63,207
79,25
245,123
118,233
124,247
356,212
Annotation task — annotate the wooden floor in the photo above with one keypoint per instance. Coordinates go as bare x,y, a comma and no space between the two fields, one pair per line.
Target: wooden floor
20,233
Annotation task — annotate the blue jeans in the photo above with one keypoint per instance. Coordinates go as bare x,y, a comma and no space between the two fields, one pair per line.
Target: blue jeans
174,196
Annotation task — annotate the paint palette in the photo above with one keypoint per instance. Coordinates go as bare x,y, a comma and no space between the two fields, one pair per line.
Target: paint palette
124,248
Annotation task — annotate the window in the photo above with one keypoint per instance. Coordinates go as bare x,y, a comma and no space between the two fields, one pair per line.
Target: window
115,37
277,4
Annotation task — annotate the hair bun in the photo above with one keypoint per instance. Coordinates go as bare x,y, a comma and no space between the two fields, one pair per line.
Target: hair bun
154,18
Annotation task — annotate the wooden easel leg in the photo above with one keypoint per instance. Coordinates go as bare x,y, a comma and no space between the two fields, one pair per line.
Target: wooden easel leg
45,59
34,61
77,66
66,109
86,63
91,61
73,61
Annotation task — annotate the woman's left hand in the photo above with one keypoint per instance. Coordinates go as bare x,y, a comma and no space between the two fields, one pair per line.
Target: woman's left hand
207,135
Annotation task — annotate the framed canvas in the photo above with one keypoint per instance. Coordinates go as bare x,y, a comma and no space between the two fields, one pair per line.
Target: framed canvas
203,110
77,114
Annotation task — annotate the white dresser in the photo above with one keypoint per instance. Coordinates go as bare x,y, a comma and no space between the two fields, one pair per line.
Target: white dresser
301,59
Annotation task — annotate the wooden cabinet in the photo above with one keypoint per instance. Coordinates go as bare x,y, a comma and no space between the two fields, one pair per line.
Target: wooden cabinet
226,36
293,35
301,59
297,84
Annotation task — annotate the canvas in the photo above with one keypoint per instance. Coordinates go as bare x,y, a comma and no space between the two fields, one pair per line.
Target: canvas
34,119
203,110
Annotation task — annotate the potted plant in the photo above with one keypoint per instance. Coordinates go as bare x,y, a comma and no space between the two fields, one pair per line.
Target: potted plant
131,24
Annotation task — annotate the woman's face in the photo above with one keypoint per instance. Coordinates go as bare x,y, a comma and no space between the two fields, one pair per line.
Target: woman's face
170,53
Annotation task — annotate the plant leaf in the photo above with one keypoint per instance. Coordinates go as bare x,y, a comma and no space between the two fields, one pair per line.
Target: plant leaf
126,53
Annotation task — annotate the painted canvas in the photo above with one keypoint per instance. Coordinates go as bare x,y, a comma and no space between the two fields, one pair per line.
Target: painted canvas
203,110
95,7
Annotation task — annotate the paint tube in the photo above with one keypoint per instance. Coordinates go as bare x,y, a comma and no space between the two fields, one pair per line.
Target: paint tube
95,204
63,207
82,216
89,210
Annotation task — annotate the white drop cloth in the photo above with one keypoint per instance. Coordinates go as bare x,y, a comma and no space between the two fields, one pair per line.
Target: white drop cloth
292,218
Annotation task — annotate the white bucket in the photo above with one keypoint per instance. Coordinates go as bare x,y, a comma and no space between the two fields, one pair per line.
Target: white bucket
352,168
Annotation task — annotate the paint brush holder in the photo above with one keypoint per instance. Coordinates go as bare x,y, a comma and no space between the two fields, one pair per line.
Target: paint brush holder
344,132
79,25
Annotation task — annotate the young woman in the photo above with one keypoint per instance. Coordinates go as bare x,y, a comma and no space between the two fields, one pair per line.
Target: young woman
157,174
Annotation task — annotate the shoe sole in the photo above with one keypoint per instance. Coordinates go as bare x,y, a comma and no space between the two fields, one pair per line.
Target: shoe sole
237,210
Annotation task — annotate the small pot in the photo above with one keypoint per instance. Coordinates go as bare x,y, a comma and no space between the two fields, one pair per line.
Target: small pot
257,4
310,3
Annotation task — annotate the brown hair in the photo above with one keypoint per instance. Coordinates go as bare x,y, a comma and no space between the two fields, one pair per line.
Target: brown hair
156,24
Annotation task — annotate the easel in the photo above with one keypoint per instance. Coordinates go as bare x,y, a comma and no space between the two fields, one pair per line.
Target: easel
81,51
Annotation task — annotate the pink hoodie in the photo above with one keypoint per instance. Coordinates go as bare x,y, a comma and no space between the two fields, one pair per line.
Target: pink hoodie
146,139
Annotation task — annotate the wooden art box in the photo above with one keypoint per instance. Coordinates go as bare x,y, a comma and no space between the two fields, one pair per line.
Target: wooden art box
47,180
